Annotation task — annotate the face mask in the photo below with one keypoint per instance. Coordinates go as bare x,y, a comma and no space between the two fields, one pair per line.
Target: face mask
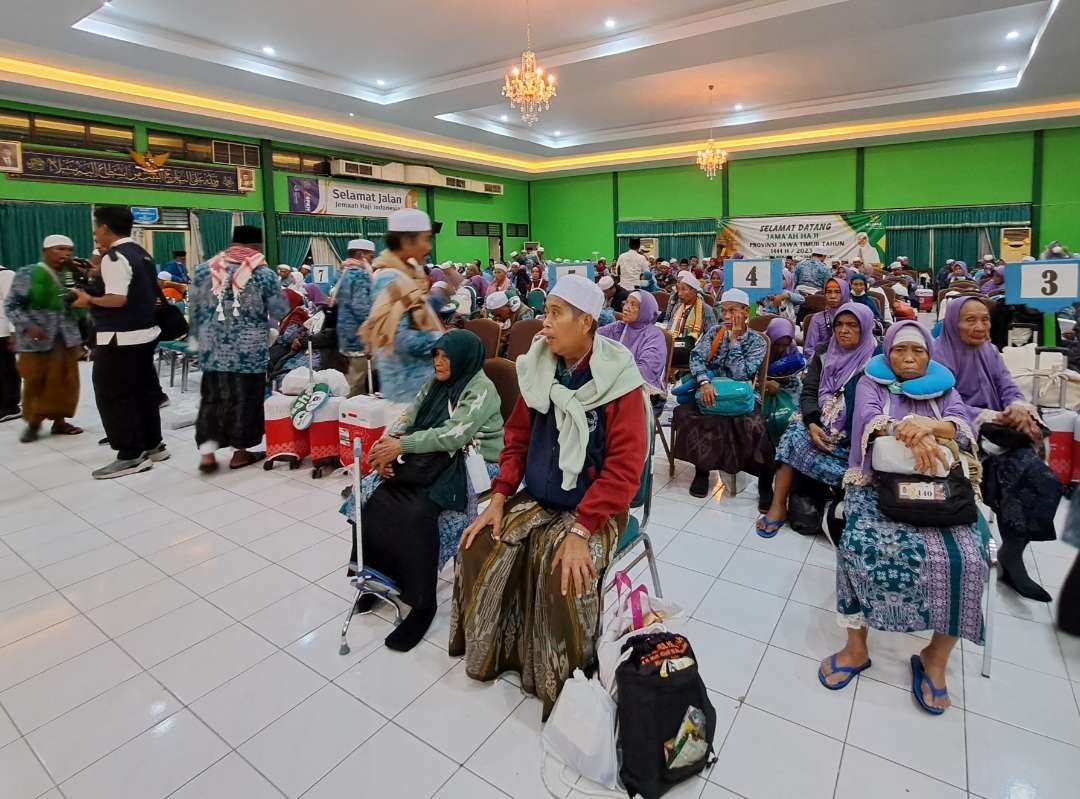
857,293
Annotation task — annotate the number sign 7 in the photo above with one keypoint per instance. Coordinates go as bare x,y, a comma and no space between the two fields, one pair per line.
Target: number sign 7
1044,285
758,278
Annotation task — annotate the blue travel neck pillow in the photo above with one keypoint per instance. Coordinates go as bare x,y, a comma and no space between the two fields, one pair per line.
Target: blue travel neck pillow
934,383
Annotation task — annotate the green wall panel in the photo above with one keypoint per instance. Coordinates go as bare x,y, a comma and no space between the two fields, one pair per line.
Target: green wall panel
574,216
977,170
672,192
803,183
1061,188
453,206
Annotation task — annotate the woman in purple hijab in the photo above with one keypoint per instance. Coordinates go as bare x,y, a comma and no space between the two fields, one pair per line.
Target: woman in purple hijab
836,293
996,283
638,333
1017,484
816,442
891,575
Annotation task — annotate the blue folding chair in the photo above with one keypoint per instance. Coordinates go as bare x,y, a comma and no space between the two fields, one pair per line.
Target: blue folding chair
366,580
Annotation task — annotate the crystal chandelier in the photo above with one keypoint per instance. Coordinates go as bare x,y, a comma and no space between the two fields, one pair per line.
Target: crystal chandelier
712,158
526,86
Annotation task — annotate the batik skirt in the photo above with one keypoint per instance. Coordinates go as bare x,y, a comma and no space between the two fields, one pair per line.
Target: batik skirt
730,444
509,612
231,409
50,383
899,578
797,450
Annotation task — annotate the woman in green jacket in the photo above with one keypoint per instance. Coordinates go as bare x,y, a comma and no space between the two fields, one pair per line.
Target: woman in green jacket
420,497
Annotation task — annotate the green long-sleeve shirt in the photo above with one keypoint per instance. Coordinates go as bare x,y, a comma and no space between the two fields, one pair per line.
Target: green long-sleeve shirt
476,417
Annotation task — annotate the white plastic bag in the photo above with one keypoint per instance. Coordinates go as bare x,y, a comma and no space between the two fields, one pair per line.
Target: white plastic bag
580,732
630,609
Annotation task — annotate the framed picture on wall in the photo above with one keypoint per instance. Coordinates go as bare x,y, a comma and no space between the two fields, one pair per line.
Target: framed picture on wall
245,178
10,156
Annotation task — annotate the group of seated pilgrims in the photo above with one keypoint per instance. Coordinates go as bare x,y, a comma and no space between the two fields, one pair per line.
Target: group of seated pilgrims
567,462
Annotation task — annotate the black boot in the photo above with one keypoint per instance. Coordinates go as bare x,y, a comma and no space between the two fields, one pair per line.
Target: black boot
700,486
1014,573
412,628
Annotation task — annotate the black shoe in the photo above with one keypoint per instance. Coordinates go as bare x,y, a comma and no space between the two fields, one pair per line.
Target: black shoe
411,630
1015,575
30,434
700,486
104,442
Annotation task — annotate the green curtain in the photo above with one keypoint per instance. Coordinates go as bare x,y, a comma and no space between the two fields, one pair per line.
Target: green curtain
928,236
254,218
679,238
340,245
375,231
24,226
215,231
165,243
292,250
296,231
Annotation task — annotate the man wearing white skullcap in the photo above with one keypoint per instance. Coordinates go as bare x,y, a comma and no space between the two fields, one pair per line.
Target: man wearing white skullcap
352,298
733,442
502,280
47,339
614,298
572,459
507,311
402,328
687,317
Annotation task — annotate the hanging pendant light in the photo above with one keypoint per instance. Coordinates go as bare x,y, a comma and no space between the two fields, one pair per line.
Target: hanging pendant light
711,159
526,86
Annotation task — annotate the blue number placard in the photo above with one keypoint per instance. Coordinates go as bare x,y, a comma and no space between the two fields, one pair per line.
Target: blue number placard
1044,285
557,269
758,278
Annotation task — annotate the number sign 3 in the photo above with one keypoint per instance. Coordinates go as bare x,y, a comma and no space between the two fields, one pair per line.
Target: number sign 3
1044,285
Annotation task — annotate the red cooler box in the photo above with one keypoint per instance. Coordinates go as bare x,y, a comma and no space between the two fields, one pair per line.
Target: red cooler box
1059,452
363,417
925,299
283,441
323,435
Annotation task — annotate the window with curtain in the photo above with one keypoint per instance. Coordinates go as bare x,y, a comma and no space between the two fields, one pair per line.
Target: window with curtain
165,243
215,231
296,232
679,238
24,226
929,236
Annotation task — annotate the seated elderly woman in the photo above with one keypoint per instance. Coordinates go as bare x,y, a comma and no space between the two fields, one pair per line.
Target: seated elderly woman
417,503
638,333
860,294
893,575
996,284
1017,483
780,394
712,441
836,293
526,586
687,317
817,443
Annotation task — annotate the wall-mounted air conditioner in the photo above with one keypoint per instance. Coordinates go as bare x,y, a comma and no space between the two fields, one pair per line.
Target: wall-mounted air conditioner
340,168
485,188
426,176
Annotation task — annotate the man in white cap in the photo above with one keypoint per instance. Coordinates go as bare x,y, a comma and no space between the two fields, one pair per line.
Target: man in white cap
400,333
575,446
630,265
507,311
47,339
502,280
614,296
728,443
352,298
687,317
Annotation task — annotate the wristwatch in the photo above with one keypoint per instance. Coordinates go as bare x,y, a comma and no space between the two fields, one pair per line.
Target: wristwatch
580,532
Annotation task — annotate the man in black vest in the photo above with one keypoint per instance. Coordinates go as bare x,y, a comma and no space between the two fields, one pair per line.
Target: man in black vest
125,382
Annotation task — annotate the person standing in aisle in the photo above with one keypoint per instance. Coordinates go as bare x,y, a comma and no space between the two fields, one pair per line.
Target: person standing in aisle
177,267
10,384
125,382
48,341
630,266
233,297
352,298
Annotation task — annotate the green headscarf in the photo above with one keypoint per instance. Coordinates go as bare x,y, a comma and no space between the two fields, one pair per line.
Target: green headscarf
466,354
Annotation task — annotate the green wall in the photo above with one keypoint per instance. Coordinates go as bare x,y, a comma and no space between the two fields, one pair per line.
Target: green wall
1061,188
451,207
803,183
977,170
574,216
672,192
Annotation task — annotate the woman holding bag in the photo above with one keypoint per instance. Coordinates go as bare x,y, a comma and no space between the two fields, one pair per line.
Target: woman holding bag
894,575
420,499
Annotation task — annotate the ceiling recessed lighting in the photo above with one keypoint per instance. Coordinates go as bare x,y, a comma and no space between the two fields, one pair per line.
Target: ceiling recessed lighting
268,50
557,133
380,82
1001,68
738,106
609,23
504,118
351,114
1012,35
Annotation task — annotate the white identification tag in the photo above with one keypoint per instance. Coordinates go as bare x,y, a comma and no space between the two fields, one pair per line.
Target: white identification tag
476,468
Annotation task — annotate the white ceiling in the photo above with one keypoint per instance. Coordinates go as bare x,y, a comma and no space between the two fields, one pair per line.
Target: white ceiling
790,63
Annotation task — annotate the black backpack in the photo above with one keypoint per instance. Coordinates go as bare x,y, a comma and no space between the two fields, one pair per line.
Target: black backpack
652,708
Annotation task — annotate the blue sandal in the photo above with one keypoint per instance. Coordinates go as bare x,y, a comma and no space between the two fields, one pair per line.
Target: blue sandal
850,671
918,677
770,529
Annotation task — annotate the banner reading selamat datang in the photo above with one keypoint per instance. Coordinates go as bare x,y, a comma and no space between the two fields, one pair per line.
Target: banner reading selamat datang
843,237
338,198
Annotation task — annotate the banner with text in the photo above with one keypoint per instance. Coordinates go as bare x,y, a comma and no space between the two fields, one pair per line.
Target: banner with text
339,198
841,237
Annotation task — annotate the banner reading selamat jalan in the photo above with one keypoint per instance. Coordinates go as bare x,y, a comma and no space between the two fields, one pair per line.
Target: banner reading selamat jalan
842,237
339,198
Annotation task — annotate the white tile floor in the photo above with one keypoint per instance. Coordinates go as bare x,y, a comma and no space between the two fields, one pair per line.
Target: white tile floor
170,635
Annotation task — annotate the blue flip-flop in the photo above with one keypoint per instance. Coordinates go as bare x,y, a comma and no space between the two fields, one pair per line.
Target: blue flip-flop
770,529
851,671
918,677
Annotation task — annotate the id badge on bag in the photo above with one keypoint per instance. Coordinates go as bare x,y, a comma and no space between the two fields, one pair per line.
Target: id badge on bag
476,468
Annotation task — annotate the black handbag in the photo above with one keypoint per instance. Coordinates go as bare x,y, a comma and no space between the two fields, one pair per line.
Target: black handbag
168,318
